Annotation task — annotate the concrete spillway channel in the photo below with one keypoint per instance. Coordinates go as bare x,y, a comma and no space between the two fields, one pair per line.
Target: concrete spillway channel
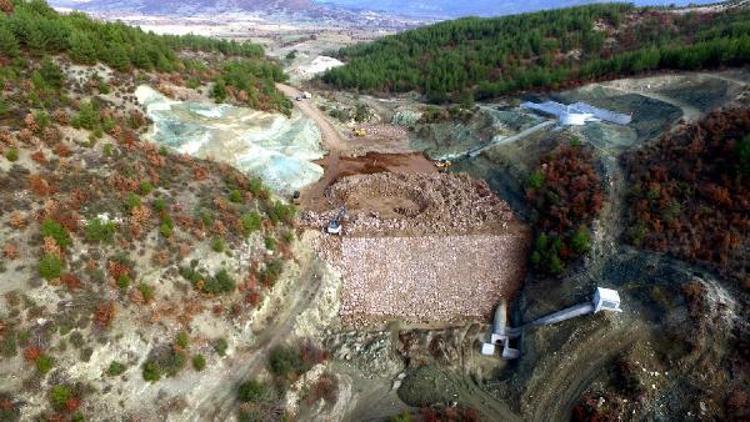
474,152
565,314
501,334
508,140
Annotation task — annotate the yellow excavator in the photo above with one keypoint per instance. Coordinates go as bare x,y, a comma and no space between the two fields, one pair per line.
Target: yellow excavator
359,132
443,165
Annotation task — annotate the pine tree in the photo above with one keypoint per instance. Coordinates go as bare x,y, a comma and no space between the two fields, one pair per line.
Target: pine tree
82,49
117,57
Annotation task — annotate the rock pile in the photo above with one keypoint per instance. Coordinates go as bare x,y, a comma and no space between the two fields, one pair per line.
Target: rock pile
421,248
415,204
428,278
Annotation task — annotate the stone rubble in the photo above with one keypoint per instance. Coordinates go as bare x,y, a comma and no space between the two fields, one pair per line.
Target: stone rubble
448,254
433,204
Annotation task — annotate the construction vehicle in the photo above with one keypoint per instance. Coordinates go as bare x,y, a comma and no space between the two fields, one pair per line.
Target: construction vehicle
359,132
443,165
335,225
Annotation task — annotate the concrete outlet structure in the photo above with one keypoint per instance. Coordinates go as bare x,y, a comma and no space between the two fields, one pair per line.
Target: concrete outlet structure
604,300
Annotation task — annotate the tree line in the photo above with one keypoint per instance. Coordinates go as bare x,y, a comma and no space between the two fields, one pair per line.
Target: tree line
544,50
34,30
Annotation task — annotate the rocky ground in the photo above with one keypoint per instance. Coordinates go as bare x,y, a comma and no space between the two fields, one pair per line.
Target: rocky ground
428,279
421,248
389,204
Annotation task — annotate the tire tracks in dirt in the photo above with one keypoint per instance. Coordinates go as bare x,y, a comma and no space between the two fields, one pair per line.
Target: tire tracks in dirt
564,376
248,363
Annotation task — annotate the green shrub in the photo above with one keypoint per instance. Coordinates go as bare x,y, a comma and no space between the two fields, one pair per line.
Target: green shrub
166,230
52,74
222,282
536,180
86,118
151,371
55,230
271,273
256,187
108,150
286,361
132,201
50,267
99,230
11,154
236,197
280,212
167,226
191,274
147,291
404,416
123,281
252,392
42,120
103,88
270,243
581,240
116,368
206,217
8,344
251,222
182,340
545,256
159,204
199,363
145,188
59,396
173,362
44,363
218,245
221,346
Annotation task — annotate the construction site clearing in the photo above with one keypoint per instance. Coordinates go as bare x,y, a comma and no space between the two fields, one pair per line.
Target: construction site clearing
420,248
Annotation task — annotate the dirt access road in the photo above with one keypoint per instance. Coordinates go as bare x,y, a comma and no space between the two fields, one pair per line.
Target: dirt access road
332,141
339,161
275,330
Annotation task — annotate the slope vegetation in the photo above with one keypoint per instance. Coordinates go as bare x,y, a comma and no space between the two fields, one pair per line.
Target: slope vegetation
239,71
114,252
481,58
689,194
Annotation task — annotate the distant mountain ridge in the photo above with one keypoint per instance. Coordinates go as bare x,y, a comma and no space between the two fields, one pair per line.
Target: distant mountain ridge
346,8
191,7
454,9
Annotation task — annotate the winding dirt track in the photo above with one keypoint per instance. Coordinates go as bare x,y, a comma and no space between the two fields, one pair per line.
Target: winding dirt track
332,141
220,405
331,138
